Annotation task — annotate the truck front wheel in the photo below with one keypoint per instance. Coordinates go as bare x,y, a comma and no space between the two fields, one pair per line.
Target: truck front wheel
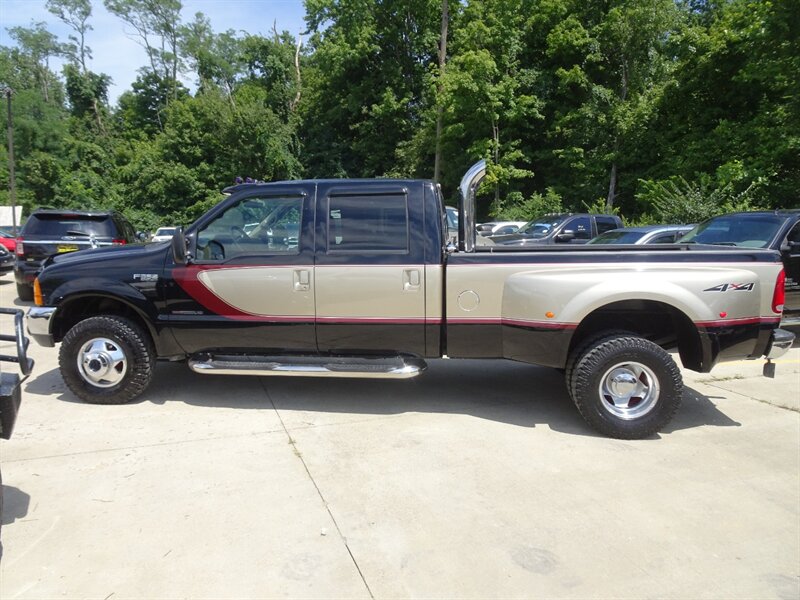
625,386
106,360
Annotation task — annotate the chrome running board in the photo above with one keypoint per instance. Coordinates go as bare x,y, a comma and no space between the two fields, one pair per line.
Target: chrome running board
396,367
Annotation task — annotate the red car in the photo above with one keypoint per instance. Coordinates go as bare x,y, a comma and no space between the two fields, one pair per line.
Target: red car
7,240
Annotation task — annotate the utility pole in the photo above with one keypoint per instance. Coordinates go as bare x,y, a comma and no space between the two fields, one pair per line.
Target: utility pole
12,182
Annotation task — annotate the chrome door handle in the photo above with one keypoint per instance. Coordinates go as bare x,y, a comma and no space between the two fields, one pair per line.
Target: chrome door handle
411,280
302,280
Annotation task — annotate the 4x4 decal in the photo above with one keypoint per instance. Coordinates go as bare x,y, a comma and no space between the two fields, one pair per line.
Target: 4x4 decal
731,287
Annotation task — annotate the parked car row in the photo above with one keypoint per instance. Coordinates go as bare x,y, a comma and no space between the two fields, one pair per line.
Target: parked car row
777,230
565,228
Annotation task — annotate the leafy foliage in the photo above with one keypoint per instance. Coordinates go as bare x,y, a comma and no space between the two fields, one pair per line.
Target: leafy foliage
678,201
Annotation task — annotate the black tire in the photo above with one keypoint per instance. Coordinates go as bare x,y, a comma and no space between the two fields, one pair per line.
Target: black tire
583,346
25,292
106,360
626,387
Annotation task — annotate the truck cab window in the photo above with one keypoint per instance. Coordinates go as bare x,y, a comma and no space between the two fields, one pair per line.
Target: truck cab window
368,223
605,224
260,225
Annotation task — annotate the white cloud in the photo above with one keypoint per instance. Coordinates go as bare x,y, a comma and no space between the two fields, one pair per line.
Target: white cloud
117,54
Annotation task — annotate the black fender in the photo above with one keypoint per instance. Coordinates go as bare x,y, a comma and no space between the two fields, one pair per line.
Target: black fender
78,298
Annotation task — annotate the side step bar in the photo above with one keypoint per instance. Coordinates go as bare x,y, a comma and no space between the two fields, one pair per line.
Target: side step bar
396,367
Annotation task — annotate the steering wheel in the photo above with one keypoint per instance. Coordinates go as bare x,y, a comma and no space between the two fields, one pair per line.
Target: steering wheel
237,233
214,250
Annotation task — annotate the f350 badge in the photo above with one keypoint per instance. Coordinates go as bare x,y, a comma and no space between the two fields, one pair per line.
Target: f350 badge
731,287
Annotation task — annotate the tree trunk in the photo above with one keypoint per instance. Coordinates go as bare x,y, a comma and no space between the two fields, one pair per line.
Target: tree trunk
612,187
296,101
437,161
496,159
612,180
96,110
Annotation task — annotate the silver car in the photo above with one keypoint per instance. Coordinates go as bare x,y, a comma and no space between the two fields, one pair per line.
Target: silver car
649,234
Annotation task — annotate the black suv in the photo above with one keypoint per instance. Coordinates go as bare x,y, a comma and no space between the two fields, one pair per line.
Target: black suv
560,229
50,231
776,229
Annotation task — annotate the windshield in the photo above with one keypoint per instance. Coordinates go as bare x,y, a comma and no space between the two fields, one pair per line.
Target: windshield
542,226
748,231
165,231
618,237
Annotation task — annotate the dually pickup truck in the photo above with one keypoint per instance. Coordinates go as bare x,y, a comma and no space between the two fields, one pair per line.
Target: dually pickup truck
359,278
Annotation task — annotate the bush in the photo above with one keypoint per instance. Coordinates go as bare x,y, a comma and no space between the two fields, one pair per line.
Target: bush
676,200
515,207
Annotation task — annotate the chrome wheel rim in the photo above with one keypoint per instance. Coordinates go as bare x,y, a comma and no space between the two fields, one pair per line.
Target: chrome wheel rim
629,390
102,362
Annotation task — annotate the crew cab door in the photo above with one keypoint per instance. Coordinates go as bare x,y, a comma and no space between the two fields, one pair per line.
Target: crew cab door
250,283
370,272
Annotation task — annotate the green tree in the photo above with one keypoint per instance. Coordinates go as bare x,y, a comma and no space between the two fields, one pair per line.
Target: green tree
490,103
608,64
734,113
39,45
364,84
157,25
75,14
85,90
216,58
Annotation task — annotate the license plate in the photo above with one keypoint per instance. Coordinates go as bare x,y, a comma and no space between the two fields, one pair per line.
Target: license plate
67,248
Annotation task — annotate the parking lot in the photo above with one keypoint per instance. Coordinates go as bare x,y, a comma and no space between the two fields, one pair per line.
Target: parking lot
477,479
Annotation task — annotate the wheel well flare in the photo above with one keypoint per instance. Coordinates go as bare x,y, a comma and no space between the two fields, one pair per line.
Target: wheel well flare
656,321
77,309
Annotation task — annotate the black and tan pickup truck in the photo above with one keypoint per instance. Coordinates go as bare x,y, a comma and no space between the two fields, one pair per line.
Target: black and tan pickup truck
359,278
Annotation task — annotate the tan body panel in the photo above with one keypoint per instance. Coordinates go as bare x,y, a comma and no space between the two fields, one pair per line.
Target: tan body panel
269,291
385,292
565,294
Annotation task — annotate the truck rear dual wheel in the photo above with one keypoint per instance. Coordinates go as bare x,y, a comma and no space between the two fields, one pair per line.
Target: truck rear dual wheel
625,386
106,360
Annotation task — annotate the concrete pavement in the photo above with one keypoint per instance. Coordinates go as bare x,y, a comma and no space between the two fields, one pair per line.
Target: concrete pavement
477,479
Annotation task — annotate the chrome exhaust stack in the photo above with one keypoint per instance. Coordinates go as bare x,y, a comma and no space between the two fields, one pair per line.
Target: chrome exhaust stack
466,206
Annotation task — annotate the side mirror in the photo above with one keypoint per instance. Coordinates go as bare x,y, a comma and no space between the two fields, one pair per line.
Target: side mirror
565,236
179,247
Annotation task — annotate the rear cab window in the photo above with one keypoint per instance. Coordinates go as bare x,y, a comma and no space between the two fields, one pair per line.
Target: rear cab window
368,223
69,225
605,224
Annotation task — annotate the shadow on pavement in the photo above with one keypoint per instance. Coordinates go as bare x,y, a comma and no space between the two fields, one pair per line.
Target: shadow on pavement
497,390
15,504
696,410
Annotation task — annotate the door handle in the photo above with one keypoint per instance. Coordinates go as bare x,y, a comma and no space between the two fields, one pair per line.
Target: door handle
411,280
302,280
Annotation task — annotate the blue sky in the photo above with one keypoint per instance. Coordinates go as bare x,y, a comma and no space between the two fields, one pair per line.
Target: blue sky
117,55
